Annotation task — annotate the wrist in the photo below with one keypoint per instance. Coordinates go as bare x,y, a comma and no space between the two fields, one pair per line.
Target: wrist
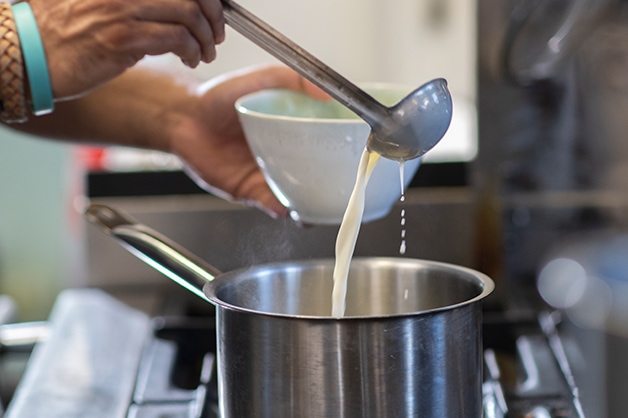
180,114
12,84
181,126
150,108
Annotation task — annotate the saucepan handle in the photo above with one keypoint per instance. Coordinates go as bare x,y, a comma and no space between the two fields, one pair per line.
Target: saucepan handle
156,250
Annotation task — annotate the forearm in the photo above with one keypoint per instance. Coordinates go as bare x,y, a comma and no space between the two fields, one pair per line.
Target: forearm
140,108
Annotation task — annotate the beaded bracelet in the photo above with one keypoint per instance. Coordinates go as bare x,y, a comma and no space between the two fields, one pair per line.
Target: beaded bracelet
34,59
12,97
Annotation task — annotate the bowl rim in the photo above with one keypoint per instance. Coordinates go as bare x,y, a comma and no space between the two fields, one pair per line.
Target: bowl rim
243,110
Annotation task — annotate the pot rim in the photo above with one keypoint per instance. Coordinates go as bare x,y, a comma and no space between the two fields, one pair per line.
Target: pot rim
482,280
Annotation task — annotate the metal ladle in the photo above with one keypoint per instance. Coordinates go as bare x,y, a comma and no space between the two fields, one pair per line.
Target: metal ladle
401,132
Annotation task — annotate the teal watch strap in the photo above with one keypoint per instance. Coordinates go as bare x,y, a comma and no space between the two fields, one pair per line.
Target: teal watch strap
34,59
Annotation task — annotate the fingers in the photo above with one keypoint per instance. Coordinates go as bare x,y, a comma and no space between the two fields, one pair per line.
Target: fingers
202,19
253,192
260,77
213,12
271,206
314,91
256,193
149,38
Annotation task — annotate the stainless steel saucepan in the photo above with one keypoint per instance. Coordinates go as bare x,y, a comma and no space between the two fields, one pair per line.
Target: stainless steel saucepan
409,346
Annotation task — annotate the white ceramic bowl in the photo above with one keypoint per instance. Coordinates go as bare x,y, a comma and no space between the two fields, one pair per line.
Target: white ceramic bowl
309,152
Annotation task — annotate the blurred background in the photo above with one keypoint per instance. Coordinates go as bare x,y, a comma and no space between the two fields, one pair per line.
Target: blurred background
43,184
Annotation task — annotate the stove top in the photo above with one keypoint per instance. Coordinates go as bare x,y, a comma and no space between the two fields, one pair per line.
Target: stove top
527,373
103,359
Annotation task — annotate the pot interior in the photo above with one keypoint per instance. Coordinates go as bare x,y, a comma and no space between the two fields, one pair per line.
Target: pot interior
376,287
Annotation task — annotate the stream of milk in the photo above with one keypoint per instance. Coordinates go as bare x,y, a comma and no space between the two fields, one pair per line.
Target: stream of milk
348,232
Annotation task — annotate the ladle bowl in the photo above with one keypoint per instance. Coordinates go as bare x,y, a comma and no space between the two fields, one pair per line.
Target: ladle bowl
415,125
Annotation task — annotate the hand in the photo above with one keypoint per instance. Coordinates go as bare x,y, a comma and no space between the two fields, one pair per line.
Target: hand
89,42
146,108
212,143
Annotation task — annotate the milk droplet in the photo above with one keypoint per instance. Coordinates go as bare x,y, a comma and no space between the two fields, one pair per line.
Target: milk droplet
402,247
401,178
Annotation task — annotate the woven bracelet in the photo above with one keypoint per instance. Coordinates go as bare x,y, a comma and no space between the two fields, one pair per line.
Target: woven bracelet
12,94
34,59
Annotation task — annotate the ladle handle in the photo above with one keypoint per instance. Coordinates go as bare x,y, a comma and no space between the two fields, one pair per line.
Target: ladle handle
154,249
303,62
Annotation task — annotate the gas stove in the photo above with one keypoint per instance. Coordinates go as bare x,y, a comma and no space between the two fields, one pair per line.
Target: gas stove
103,359
527,370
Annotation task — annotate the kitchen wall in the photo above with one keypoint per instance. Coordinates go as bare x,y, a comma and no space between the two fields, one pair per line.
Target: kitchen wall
35,234
401,41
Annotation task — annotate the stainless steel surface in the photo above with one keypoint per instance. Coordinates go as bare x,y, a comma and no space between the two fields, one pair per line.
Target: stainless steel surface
153,248
8,309
415,357
377,288
153,379
410,345
559,350
23,335
402,132
88,366
526,370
